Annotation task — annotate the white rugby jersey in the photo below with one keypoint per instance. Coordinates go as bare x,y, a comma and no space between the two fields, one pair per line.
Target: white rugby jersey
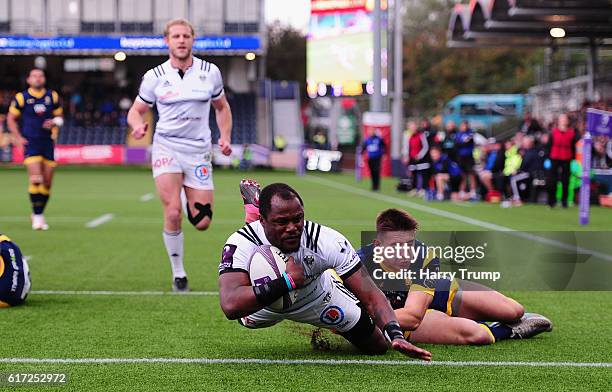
183,103
321,248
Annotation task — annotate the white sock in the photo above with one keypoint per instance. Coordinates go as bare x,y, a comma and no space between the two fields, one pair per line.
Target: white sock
174,247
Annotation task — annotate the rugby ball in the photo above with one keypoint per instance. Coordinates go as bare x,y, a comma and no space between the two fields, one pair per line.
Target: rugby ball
268,263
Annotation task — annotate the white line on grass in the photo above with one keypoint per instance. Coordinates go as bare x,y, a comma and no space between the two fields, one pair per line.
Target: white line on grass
147,197
135,293
99,221
258,361
457,217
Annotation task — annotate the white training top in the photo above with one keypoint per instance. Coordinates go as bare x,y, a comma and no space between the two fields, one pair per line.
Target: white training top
321,248
183,102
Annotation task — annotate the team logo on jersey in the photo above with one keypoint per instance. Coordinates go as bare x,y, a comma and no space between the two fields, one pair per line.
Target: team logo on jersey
47,100
308,260
332,315
39,109
202,172
227,256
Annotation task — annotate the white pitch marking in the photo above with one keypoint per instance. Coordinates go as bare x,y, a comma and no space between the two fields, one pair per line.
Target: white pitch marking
261,361
147,197
133,293
99,221
458,217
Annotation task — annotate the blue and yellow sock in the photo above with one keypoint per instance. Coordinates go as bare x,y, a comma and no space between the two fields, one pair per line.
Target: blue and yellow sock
39,196
497,330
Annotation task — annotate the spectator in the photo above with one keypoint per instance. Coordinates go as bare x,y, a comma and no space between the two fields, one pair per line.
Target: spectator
374,146
530,165
416,157
602,153
446,173
464,147
563,139
448,142
530,126
512,163
493,164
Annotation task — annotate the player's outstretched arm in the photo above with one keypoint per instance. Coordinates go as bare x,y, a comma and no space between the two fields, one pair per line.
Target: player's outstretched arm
223,114
237,296
239,299
379,308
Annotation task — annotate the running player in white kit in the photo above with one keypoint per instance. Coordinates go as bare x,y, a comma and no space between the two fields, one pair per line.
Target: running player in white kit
183,89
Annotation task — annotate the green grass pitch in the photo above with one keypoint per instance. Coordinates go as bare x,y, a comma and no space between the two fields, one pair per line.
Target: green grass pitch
126,254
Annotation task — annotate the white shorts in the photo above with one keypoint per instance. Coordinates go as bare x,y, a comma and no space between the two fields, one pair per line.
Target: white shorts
196,167
335,309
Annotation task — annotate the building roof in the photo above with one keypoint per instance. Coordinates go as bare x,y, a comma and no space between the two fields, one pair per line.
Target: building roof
483,23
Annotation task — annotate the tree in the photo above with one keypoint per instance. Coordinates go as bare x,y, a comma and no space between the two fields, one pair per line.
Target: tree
434,73
286,57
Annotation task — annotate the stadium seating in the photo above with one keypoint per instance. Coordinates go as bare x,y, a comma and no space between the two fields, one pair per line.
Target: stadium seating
244,126
92,135
244,119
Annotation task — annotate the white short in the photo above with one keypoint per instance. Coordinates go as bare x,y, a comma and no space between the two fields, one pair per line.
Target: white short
196,167
335,309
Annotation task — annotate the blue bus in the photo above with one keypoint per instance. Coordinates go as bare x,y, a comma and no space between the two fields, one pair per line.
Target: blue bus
484,110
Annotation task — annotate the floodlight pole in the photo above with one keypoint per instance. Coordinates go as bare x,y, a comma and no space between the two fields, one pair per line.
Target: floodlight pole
376,102
398,86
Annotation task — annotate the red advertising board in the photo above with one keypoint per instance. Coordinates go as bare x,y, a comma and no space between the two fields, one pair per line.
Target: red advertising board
83,154
381,123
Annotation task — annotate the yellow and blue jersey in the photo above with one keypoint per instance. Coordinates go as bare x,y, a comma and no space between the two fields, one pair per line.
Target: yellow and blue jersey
14,274
442,290
34,108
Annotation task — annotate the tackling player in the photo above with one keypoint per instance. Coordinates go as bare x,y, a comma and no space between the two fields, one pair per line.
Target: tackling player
40,112
320,299
443,311
183,89
14,274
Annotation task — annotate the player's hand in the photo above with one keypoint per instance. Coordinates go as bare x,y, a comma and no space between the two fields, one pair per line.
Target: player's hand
48,123
139,131
296,271
407,348
225,147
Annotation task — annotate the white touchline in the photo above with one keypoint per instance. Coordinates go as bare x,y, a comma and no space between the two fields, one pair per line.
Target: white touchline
135,293
458,217
261,361
147,197
99,221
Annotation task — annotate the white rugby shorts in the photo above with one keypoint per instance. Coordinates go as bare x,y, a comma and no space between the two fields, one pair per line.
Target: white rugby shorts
196,167
334,309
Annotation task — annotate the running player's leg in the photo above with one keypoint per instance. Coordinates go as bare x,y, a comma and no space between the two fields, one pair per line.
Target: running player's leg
249,190
200,207
481,303
34,167
440,328
169,188
48,169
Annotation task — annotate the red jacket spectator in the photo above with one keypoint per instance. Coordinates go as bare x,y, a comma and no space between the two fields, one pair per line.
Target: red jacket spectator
562,144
